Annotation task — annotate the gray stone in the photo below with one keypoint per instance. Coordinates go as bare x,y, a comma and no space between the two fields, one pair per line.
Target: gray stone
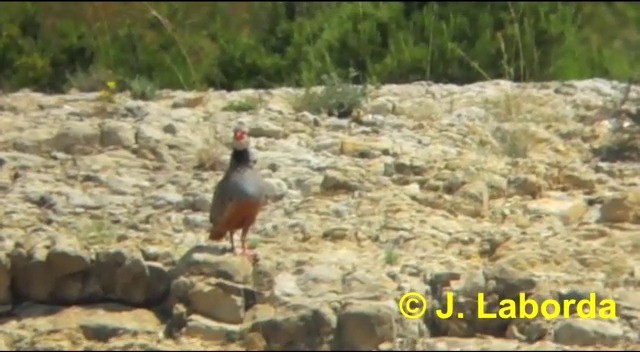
204,260
213,302
75,137
117,134
299,327
208,330
588,332
364,326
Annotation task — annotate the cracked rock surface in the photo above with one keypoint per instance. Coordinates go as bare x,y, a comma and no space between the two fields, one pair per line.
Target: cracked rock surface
493,187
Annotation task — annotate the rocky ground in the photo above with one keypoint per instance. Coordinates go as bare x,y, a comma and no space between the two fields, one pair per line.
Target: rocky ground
493,187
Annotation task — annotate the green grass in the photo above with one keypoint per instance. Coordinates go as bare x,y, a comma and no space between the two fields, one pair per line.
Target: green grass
97,232
244,105
391,256
142,88
230,45
337,97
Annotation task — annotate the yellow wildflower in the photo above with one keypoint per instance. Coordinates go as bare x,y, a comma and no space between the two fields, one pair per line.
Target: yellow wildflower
111,85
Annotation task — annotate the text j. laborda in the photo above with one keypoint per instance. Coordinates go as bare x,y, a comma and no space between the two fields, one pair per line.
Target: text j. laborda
413,305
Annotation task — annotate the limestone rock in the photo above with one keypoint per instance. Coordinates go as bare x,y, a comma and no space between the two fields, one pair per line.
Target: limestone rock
117,134
588,332
212,331
299,327
202,260
624,208
364,326
75,137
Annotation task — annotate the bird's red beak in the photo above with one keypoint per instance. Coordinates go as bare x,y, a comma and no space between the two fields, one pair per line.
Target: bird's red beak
240,136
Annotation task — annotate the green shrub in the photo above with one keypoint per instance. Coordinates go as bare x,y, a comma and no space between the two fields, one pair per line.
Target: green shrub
244,105
90,80
234,45
336,97
142,88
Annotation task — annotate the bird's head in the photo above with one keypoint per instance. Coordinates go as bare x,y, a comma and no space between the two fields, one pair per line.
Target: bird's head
240,137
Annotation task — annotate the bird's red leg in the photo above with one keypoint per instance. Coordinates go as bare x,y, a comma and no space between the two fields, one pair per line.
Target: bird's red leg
243,239
233,247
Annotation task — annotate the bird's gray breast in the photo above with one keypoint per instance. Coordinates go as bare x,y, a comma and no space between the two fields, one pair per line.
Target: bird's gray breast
246,185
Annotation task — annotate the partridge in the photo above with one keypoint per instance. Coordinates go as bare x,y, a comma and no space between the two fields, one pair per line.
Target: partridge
238,196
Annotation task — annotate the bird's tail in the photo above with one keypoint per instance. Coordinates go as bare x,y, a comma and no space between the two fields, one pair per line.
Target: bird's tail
215,234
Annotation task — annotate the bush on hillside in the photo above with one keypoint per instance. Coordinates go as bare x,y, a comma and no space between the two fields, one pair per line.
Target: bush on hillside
49,46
